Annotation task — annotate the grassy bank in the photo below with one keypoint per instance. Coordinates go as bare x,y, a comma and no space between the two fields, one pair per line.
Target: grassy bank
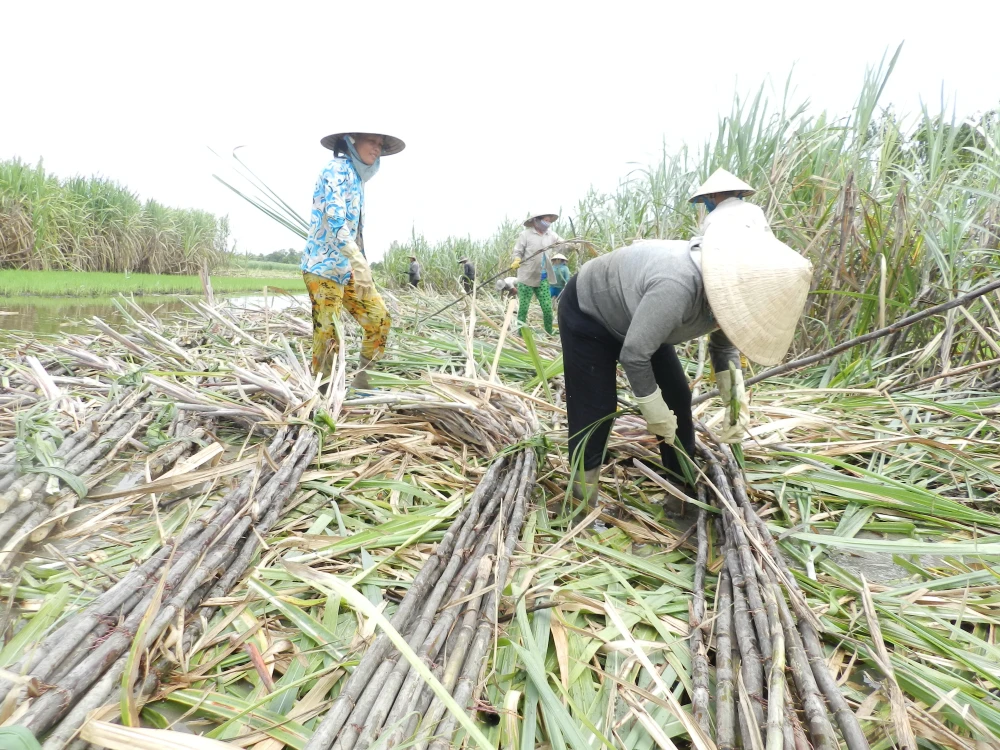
243,266
96,224
94,284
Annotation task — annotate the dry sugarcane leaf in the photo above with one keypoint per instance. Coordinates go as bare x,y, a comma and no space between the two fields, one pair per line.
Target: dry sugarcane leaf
175,483
117,737
698,737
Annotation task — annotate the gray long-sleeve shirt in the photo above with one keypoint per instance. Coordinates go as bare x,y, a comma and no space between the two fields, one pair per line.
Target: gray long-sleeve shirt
646,295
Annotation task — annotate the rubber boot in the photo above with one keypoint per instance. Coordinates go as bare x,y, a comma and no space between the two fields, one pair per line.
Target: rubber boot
587,489
360,382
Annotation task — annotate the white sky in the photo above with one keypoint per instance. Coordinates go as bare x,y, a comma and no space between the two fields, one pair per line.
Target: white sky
505,107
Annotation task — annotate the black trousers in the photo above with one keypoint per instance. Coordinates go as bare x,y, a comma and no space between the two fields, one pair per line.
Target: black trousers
590,364
467,283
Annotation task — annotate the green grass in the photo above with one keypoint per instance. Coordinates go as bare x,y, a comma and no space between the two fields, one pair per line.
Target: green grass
243,266
266,265
94,284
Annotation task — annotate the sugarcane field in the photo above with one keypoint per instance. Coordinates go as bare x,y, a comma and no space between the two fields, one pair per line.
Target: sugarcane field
705,459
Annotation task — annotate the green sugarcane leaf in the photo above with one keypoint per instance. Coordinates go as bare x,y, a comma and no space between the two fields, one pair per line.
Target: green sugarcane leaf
71,480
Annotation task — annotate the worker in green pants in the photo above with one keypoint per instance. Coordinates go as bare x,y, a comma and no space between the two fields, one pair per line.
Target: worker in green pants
534,268
544,297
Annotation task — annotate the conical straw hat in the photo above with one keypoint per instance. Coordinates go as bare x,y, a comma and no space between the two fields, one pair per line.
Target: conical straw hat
390,143
757,288
722,181
527,222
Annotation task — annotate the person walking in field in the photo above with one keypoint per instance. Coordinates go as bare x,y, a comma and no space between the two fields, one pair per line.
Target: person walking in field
336,272
414,272
736,282
468,275
534,268
560,276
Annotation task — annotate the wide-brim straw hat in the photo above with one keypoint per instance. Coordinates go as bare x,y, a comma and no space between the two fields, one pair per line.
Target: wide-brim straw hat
527,222
757,287
722,181
463,260
390,143
558,256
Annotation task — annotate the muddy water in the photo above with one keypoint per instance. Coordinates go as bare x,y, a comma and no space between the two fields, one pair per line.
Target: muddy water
72,314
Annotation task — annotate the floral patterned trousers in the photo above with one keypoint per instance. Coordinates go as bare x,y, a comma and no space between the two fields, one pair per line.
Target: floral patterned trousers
328,299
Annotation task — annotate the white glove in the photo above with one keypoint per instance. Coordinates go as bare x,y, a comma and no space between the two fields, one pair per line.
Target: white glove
659,419
364,284
733,393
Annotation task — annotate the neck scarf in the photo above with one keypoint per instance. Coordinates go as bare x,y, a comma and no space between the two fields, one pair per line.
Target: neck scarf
365,171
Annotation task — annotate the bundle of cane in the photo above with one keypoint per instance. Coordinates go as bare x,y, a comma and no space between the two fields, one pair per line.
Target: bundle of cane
79,666
448,617
755,629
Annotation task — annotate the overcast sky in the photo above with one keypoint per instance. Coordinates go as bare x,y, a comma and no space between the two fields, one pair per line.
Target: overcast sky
505,107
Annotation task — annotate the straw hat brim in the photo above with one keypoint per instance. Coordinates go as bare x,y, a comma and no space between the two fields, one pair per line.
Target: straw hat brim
722,181
527,222
390,143
558,256
757,288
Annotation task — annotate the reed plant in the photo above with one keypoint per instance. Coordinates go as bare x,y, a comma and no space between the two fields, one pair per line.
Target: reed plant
96,224
894,212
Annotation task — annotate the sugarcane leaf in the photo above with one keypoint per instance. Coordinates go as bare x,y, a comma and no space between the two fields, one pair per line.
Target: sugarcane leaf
357,601
302,620
529,342
105,734
34,629
71,480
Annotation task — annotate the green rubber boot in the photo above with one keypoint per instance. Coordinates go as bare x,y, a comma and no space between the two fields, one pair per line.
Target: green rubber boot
587,490
18,738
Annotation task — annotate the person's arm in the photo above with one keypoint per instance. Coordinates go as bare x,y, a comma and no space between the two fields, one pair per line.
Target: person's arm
519,248
732,390
722,351
335,213
660,312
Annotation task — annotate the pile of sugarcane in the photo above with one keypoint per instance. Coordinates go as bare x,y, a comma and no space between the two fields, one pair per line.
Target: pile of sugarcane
33,499
757,635
79,665
449,618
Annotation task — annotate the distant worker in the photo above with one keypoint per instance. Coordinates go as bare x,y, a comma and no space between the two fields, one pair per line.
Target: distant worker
534,268
468,275
414,272
507,287
334,266
561,277
722,195
636,303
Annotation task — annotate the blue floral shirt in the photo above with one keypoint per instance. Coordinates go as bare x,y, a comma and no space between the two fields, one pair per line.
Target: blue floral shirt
338,205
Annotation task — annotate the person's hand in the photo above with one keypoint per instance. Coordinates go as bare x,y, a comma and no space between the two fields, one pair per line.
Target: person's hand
660,420
361,272
736,418
515,264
